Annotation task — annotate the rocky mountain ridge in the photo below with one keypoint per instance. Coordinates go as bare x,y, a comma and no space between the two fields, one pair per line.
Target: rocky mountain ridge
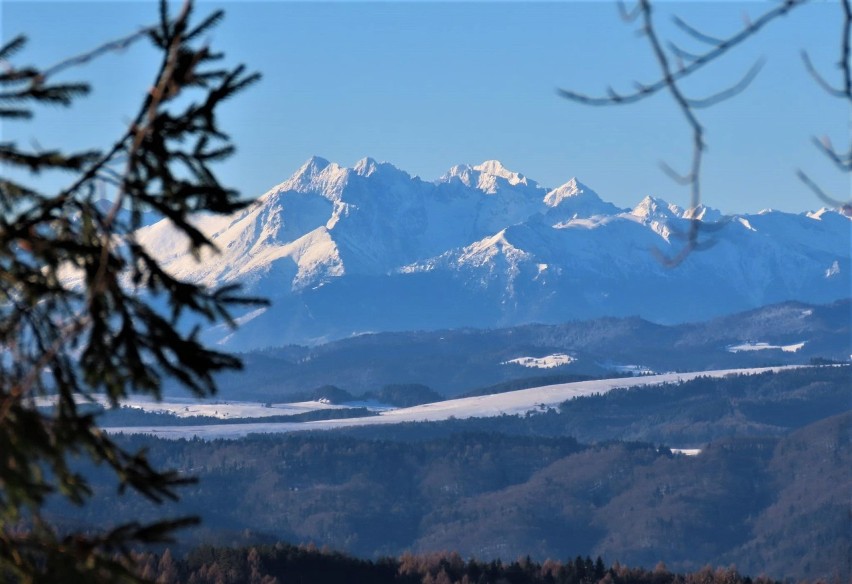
342,251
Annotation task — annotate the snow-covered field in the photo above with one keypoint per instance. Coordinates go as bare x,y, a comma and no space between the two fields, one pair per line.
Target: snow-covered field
632,369
764,346
513,403
187,407
686,451
230,409
548,362
223,409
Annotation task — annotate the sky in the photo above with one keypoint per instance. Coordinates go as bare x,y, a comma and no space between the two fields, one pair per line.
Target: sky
427,85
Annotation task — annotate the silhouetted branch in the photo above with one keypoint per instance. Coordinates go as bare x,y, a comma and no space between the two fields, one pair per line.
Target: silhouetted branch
720,49
688,63
108,47
842,161
821,194
845,63
697,34
732,91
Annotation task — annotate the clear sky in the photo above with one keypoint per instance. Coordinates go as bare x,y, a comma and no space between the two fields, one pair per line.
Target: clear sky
429,85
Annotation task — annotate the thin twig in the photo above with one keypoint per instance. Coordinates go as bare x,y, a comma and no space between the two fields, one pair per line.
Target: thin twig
730,92
108,47
704,59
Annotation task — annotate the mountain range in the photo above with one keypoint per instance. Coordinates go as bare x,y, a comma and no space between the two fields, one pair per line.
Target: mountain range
343,251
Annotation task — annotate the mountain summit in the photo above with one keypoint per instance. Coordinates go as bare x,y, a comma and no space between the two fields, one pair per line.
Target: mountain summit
342,251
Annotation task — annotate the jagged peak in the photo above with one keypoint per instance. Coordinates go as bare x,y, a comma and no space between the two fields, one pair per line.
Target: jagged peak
310,170
702,212
368,166
571,189
313,165
655,206
315,172
487,176
496,168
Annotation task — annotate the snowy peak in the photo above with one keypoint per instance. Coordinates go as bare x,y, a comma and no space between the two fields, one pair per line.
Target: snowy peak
574,199
317,175
573,188
489,177
570,190
311,169
368,167
496,168
341,250
702,213
653,207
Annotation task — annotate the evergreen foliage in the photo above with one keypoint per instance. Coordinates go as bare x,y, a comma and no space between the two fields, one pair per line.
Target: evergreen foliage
84,308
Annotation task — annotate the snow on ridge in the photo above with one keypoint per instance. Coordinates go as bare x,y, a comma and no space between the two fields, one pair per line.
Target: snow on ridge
515,403
833,269
546,362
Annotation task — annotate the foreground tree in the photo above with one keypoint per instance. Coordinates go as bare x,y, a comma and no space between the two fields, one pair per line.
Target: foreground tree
84,309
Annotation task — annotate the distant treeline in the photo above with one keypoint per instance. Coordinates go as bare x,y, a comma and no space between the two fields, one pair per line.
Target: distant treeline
281,563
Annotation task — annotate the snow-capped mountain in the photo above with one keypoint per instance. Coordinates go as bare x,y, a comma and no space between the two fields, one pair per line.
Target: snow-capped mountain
341,251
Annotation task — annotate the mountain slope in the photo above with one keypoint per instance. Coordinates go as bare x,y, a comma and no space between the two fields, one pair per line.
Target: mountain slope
342,251
455,362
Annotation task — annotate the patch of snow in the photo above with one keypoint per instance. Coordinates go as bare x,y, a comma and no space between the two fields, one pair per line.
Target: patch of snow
832,270
250,316
632,369
223,409
744,222
760,346
370,404
817,215
547,362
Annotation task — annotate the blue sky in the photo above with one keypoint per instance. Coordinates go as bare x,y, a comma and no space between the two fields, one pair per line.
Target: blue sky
429,85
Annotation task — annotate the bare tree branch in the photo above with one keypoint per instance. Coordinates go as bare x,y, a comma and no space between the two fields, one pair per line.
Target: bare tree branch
842,161
821,194
720,49
687,63
729,92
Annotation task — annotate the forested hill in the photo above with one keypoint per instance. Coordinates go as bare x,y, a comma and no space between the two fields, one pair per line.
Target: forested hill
768,505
